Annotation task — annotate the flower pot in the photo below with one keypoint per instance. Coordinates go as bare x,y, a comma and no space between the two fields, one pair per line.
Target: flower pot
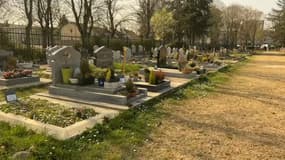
111,85
74,81
66,75
101,82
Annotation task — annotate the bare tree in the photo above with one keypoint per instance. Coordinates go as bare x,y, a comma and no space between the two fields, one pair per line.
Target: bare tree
114,18
44,16
144,14
232,22
83,15
28,8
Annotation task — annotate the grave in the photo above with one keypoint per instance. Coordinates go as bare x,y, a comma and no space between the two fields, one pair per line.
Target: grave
14,78
117,56
104,57
162,57
3,58
90,93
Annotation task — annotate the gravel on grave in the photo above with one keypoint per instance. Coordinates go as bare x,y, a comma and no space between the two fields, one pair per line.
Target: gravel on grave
48,113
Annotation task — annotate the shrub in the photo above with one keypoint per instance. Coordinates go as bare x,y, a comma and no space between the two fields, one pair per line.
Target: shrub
130,86
152,78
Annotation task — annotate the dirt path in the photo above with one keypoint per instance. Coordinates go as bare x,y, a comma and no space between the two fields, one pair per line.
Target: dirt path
244,119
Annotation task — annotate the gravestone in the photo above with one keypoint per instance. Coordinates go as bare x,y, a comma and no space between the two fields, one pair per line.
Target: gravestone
168,52
155,52
162,58
104,57
134,49
49,52
3,58
129,54
117,56
65,56
140,50
182,60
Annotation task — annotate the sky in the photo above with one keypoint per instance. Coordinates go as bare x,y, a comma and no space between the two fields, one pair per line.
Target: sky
263,5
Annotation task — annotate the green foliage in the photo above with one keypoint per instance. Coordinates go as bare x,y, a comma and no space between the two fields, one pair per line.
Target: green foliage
277,17
108,75
84,67
46,112
192,18
163,23
130,86
130,68
152,78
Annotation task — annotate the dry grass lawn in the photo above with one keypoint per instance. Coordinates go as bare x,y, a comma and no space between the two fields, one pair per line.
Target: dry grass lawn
243,119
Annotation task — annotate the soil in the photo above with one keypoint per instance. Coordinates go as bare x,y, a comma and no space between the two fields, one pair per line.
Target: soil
242,119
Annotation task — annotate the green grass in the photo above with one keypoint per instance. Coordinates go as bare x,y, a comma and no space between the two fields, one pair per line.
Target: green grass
119,138
130,68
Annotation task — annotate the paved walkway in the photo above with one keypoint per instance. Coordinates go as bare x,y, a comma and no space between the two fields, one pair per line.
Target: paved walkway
244,119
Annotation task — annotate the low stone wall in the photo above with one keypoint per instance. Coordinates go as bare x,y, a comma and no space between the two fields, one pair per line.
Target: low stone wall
55,131
18,81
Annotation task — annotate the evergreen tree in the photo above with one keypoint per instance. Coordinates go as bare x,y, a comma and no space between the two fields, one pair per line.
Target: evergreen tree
193,18
278,19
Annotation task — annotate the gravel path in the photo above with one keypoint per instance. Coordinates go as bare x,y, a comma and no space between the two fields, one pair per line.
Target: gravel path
244,119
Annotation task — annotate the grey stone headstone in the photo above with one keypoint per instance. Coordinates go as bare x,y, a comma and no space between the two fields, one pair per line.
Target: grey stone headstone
104,57
3,58
140,50
155,53
117,56
59,59
134,49
162,56
49,53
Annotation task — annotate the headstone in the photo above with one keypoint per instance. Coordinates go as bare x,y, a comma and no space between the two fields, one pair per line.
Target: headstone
140,50
162,59
168,52
117,56
134,50
3,58
65,56
182,60
155,52
129,54
11,96
49,53
104,57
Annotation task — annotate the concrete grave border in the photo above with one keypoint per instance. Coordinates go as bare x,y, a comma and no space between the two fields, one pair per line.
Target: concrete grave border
56,132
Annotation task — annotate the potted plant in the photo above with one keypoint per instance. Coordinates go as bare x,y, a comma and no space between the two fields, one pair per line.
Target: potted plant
111,81
86,75
146,74
66,71
131,89
152,78
159,76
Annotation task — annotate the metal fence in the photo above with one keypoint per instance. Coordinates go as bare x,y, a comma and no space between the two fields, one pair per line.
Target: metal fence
16,37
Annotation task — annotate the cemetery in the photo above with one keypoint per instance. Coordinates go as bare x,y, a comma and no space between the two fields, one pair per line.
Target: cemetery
141,79
11,74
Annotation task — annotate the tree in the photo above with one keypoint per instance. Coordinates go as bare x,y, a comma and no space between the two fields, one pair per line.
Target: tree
216,26
63,20
45,19
232,19
82,12
251,25
193,19
28,8
113,18
163,23
277,17
144,14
